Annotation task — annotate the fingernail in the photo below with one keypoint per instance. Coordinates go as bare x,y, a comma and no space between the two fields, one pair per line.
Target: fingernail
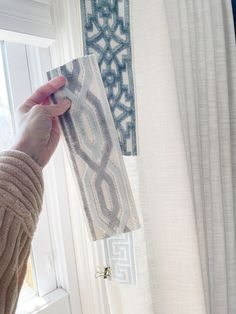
66,102
60,78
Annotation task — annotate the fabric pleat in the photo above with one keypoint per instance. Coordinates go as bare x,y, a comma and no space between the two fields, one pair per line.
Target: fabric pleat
141,291
173,262
203,50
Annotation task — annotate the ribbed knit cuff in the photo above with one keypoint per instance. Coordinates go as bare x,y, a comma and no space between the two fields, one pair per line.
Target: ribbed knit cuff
21,187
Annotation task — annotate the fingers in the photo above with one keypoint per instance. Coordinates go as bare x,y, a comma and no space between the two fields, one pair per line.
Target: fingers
54,136
46,90
59,109
43,92
55,126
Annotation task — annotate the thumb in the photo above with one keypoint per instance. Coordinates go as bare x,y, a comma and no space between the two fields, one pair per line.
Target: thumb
59,108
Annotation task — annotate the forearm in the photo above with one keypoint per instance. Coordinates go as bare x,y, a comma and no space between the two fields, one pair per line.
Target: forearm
21,190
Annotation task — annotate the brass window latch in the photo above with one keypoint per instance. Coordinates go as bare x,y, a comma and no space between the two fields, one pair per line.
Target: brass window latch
105,273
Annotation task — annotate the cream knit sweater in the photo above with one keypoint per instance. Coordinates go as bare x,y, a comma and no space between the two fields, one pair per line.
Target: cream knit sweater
21,190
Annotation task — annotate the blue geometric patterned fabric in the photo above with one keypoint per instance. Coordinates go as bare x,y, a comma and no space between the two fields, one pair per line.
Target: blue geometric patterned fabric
120,257
106,31
234,13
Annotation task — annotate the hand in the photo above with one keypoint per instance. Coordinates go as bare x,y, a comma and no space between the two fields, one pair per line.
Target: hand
38,130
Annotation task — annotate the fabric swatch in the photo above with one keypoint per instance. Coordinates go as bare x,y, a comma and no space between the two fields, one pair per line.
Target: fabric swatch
234,14
119,254
93,144
106,32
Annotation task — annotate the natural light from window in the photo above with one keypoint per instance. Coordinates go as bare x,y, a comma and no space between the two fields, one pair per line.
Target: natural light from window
6,126
7,132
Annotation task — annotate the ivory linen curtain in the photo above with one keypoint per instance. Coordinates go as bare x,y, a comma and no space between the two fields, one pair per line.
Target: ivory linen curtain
185,85
204,55
174,272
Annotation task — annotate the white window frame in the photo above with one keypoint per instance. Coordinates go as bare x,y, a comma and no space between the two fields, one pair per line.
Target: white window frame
27,20
75,256
19,88
53,252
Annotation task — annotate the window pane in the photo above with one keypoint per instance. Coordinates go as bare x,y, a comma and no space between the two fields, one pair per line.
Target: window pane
6,138
6,126
29,278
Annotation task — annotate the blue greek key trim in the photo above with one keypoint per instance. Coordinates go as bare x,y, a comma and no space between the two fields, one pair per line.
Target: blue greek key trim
106,32
120,257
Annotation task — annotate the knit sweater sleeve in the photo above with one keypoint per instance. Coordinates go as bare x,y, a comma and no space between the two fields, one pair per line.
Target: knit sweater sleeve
21,190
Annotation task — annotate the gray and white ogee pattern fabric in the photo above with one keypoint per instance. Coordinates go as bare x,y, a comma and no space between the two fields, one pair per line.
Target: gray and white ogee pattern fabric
94,149
204,54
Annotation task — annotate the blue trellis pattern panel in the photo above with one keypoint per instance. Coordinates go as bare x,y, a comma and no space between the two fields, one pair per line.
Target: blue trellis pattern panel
91,136
119,254
106,32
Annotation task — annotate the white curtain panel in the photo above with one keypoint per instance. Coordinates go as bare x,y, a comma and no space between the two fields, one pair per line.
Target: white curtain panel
169,221
185,87
204,54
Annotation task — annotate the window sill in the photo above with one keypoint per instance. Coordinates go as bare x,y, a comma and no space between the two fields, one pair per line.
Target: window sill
56,302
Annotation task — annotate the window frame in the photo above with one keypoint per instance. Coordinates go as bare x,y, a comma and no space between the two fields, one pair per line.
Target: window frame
20,85
75,256
58,287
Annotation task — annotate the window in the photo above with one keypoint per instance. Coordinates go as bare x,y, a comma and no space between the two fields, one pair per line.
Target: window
48,283
64,259
7,127
6,122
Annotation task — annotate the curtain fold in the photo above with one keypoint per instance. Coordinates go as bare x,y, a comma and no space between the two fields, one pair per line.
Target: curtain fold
135,298
175,283
203,50
175,278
